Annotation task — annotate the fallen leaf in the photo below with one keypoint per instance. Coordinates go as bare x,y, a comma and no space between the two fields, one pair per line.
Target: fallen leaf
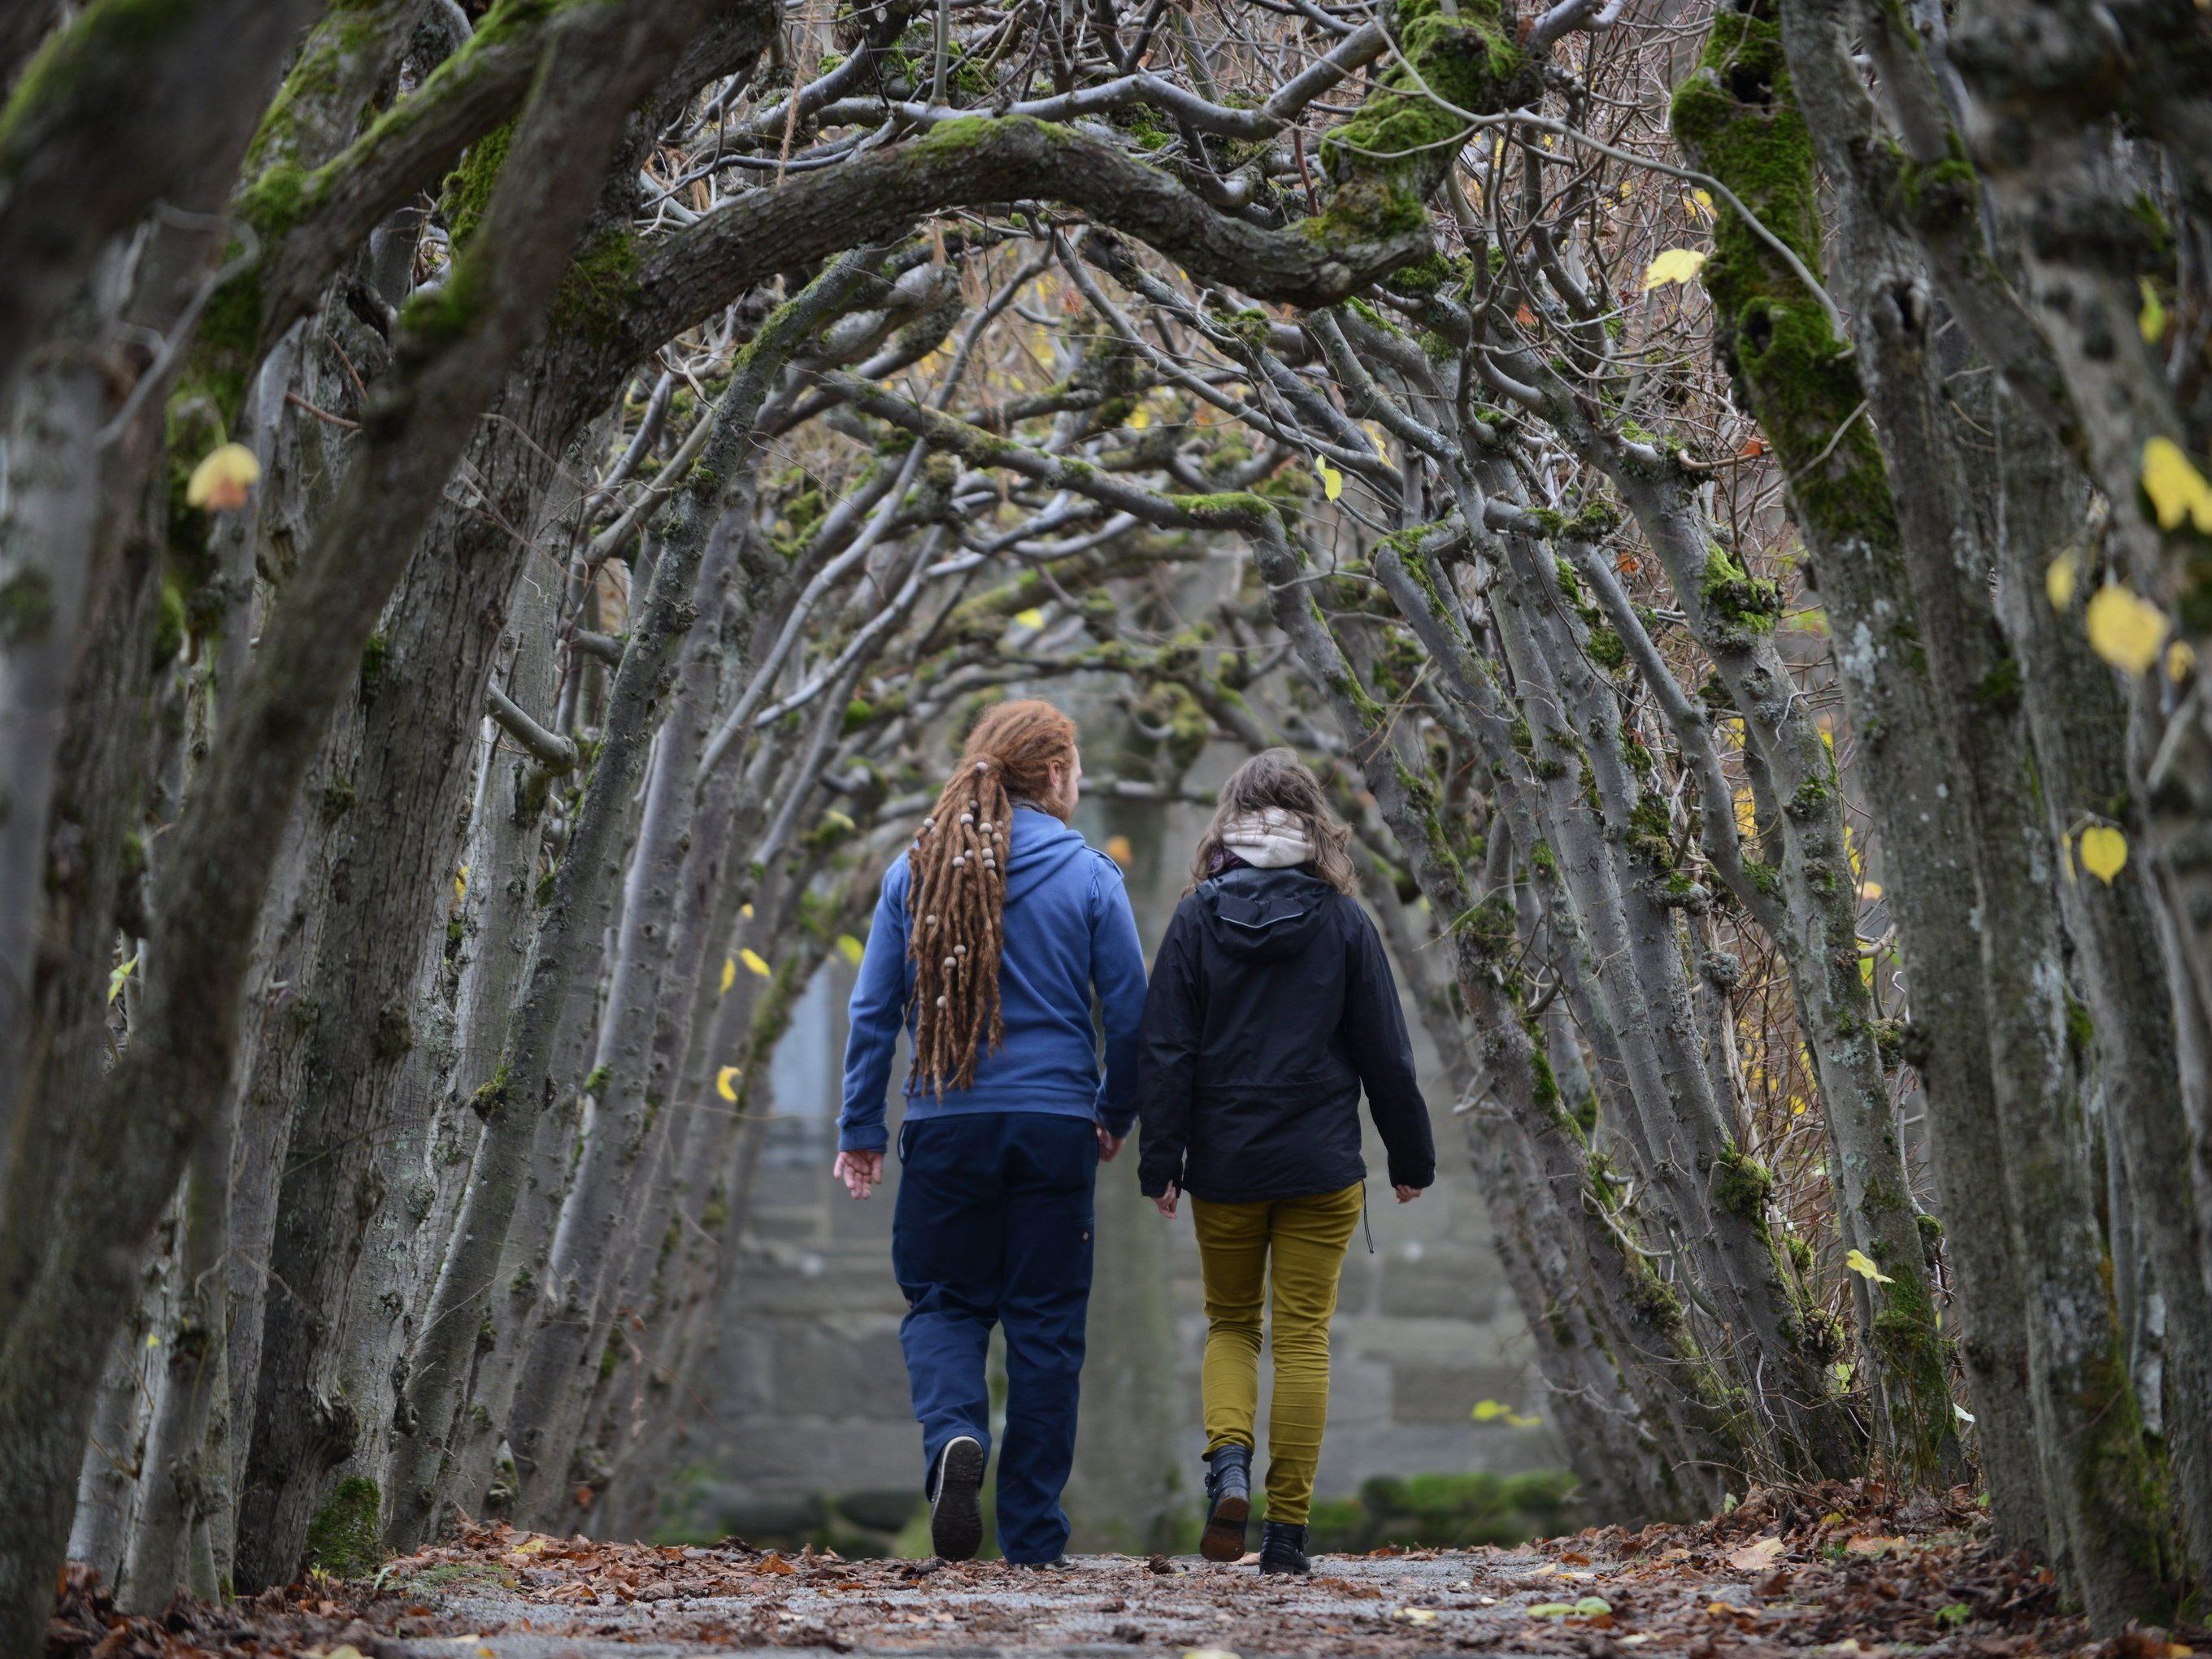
1866,1543
773,1562
1757,1555
1551,1610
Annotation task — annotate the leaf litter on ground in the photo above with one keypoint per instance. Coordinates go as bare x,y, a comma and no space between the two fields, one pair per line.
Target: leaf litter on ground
1833,1571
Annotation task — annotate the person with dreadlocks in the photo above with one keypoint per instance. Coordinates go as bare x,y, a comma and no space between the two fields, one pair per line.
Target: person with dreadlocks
990,940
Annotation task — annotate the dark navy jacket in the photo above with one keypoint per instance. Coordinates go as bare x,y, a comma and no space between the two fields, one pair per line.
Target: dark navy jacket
1272,1006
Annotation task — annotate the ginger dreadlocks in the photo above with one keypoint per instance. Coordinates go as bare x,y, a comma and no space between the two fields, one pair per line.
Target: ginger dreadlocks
958,897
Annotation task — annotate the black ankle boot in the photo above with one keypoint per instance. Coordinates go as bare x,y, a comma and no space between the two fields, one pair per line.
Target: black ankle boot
1228,1502
1283,1548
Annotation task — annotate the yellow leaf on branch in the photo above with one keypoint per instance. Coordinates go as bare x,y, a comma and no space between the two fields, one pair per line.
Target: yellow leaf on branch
2103,852
1332,481
1676,264
1863,1265
2125,629
1031,617
2177,489
754,960
729,975
726,1082
850,948
2152,318
2059,581
2180,660
221,483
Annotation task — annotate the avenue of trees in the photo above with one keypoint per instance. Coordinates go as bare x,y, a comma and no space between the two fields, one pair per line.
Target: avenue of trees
506,506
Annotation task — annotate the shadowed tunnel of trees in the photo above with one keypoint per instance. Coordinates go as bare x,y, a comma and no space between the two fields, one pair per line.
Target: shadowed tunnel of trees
506,505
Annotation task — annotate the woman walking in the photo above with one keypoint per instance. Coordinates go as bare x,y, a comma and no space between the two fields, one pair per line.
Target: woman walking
1272,1006
992,934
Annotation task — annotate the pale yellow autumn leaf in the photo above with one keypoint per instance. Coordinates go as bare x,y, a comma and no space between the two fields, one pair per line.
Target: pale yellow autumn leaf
2059,581
2177,489
2103,852
2152,318
850,948
1032,618
2125,629
1676,264
1863,1264
118,976
2180,659
1139,418
729,974
221,483
754,960
725,1081
746,911
1332,481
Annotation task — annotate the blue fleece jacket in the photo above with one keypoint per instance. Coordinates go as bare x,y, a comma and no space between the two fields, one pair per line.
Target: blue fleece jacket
1068,930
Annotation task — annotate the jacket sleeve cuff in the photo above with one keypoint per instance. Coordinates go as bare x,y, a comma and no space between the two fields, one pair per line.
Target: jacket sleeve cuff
1419,1175
863,1137
1153,1182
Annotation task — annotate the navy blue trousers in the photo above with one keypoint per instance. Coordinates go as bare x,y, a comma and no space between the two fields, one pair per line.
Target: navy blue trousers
994,1226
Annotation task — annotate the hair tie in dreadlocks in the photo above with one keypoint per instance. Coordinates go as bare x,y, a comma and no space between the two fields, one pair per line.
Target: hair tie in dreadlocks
958,888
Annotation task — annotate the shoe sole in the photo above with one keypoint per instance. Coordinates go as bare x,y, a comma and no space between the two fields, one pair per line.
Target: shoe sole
1224,1538
956,1518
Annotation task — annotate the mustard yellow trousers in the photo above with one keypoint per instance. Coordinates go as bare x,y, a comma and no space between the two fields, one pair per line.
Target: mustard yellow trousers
1306,1238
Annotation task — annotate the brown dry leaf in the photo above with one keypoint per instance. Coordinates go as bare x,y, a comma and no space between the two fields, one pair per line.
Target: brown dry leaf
1756,1556
773,1563
1864,1545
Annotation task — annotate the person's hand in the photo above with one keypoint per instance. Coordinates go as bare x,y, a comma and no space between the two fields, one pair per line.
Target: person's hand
1109,1143
1407,1194
1165,1203
860,1171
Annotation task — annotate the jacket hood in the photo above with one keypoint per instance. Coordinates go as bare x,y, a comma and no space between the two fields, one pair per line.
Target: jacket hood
1263,916
1041,847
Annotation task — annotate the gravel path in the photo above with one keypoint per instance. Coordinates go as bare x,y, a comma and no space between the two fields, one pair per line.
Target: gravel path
1096,1605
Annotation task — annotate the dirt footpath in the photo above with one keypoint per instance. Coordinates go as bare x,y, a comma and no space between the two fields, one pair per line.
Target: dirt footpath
1838,1571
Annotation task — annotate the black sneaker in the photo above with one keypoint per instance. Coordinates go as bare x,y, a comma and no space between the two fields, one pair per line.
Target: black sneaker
1228,1502
956,1518
1283,1548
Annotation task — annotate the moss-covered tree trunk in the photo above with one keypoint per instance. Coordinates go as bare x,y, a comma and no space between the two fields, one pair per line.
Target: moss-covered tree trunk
1902,596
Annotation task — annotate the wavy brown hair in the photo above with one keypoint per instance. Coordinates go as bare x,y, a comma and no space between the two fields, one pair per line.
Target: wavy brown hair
1277,778
956,901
